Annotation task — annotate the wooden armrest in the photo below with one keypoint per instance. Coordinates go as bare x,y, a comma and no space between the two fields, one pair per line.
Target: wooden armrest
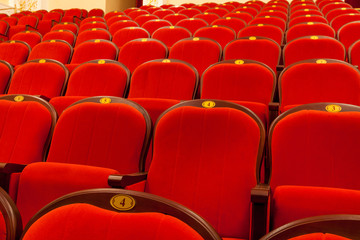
260,196
122,181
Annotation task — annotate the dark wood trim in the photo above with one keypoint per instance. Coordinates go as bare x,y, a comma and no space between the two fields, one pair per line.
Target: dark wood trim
11,69
122,181
145,202
138,107
342,225
11,216
260,199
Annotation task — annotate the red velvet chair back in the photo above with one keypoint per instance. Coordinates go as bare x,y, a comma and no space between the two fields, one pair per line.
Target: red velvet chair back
127,34
58,50
206,152
223,35
170,35
65,35
14,52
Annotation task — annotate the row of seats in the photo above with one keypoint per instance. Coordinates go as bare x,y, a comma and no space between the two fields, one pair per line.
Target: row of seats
98,140
228,183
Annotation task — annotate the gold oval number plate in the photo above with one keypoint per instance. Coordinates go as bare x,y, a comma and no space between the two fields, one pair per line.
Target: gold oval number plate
333,108
105,100
122,202
19,98
208,104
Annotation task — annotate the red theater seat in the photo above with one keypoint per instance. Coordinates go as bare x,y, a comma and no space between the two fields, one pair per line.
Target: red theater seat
58,50
14,52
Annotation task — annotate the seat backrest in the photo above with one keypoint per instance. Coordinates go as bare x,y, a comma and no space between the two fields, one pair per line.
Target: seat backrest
164,78
92,24
221,145
340,11
94,33
27,123
138,51
113,28
192,24
311,81
263,30
126,214
30,37
99,78
245,16
144,18
199,52
235,23
96,12
62,34
105,132
94,49
29,20
44,77
299,143
349,33
171,34
309,29
343,19
208,17
58,50
66,26
276,21
324,227
127,34
6,73
153,25
241,80
307,18
190,12
117,18
175,18
310,47
161,13
253,48
14,52
223,35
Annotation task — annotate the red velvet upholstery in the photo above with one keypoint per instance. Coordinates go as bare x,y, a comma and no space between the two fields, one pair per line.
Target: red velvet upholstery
341,20
25,127
163,12
40,183
112,14
340,11
310,47
117,18
328,7
305,12
322,3
91,50
91,34
296,202
235,23
309,82
23,24
353,53
170,35
127,34
4,28
12,21
223,35
66,26
303,6
260,30
168,78
199,52
96,12
276,21
39,77
208,17
138,51
113,28
144,18
136,13
153,25
94,78
65,35
349,33
93,24
309,29
254,48
58,50
307,18
175,18
272,13
190,12
300,144
205,158
92,19
253,11
245,16
30,37
218,10
192,24
319,236
6,72
14,52
155,107
93,223
72,136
